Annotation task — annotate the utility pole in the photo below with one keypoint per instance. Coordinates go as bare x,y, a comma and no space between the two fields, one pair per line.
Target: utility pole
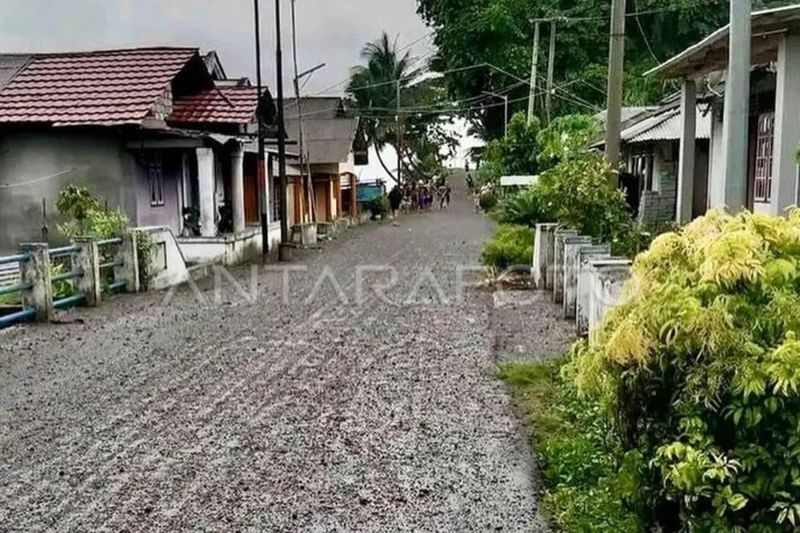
534,71
551,61
262,158
616,61
737,99
505,106
399,139
301,133
281,133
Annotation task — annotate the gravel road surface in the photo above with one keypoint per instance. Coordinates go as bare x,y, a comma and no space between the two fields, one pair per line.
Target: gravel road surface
222,412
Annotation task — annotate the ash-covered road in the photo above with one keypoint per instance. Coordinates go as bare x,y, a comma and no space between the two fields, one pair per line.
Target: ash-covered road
318,413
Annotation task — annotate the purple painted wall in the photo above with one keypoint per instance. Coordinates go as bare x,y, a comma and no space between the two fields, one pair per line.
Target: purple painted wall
169,214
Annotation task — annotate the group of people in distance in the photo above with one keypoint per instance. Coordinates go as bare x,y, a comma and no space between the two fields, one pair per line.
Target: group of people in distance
420,196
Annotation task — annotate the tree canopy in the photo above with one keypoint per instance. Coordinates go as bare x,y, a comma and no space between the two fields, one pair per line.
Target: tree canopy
500,32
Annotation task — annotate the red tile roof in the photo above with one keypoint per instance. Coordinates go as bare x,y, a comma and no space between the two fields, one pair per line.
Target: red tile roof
225,104
91,88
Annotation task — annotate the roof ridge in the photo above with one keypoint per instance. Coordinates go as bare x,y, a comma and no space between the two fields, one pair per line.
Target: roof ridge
111,51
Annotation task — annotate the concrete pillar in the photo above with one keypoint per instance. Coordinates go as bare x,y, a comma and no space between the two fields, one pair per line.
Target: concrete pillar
787,125
36,273
737,105
87,259
353,198
585,255
128,259
542,254
606,283
206,188
687,152
237,188
572,247
557,268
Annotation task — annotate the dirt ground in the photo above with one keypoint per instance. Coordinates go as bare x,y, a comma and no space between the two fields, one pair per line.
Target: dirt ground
333,409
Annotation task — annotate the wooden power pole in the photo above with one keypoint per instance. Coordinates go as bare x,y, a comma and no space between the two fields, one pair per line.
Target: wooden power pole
616,61
281,133
263,175
399,140
551,61
534,71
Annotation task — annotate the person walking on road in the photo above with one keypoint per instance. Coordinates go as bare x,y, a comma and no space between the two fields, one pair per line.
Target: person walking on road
395,199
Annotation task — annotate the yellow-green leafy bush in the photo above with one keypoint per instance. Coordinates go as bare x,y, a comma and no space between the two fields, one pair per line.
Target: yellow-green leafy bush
700,372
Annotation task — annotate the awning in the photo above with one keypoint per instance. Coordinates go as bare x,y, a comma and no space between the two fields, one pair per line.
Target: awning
711,54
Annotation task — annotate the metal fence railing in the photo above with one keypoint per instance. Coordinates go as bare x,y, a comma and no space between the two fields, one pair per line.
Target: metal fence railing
16,289
64,277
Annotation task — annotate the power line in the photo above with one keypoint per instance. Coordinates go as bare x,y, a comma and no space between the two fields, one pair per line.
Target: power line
654,11
399,50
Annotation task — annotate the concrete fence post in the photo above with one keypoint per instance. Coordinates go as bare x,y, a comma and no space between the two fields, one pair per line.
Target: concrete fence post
36,273
572,247
557,268
608,279
542,252
585,258
87,259
128,260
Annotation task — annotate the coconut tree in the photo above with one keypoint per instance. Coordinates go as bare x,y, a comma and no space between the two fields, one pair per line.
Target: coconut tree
373,90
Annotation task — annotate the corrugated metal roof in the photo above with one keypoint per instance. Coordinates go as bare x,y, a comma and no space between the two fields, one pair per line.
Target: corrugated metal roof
666,126
227,104
695,60
111,87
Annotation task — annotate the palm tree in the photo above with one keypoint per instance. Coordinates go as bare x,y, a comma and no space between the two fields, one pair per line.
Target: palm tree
373,90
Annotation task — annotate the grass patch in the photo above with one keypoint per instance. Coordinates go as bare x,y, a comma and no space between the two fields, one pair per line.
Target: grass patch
580,461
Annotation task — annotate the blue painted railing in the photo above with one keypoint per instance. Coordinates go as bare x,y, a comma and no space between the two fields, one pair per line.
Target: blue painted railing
23,314
114,286
67,302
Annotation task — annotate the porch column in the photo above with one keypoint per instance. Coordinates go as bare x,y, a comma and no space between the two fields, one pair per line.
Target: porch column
683,212
353,197
237,187
787,125
205,184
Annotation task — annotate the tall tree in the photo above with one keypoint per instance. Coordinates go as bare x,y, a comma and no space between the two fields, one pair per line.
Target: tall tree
373,92
500,32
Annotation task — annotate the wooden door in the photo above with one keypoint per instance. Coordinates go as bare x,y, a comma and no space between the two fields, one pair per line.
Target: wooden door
251,214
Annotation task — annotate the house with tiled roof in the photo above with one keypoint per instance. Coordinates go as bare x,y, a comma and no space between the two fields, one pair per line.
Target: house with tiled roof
157,132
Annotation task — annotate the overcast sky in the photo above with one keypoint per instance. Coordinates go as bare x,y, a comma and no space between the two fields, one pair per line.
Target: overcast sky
329,31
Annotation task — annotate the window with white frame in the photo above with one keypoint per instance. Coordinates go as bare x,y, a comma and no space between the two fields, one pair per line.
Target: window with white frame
765,141
155,180
641,165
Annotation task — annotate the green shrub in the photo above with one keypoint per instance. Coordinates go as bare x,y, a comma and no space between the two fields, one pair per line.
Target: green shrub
578,192
522,208
580,460
511,245
487,201
700,373
86,216
379,207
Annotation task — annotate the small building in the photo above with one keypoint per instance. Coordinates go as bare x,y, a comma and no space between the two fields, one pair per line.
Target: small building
773,109
329,139
650,146
151,131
